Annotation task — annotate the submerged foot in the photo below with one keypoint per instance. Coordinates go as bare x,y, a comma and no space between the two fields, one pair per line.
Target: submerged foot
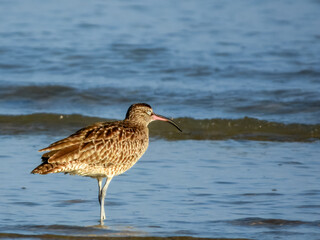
101,222
103,217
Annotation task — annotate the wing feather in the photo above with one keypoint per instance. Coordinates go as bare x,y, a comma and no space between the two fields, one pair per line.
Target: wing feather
102,143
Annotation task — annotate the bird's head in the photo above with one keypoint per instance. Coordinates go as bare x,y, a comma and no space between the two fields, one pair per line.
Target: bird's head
143,113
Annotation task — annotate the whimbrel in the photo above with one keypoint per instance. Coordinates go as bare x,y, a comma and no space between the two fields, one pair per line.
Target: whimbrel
102,150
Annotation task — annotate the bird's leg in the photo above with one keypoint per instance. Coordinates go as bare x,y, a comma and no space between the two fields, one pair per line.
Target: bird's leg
100,188
102,197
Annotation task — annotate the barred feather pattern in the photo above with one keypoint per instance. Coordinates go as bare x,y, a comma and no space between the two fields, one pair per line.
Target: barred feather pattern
100,150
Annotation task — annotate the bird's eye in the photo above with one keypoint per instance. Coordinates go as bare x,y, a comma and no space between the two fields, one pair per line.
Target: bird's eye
149,112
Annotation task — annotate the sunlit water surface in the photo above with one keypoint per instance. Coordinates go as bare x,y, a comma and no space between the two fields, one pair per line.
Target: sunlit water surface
241,78
199,188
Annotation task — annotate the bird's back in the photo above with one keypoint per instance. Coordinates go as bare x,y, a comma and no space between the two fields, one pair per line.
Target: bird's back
100,150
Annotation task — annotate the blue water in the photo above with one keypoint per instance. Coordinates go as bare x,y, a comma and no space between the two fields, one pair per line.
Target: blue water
189,60
196,188
214,59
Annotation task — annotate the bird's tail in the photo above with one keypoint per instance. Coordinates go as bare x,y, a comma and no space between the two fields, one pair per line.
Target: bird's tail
46,168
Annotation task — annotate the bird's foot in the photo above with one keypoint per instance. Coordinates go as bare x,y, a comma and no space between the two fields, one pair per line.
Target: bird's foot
102,219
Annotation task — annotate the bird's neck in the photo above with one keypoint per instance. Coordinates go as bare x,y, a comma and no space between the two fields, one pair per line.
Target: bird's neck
137,124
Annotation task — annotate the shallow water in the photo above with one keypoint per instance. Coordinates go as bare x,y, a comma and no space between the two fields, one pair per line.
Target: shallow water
242,79
229,188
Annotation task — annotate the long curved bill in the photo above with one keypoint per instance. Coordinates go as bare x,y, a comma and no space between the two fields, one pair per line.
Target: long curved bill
165,119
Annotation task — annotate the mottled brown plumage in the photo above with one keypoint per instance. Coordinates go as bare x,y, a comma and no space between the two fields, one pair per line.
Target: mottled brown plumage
102,150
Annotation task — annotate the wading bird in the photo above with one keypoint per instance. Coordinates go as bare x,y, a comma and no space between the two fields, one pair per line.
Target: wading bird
102,150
